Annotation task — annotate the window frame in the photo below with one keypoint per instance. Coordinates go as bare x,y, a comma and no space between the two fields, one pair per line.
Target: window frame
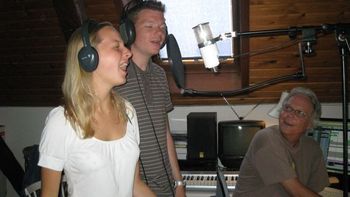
233,73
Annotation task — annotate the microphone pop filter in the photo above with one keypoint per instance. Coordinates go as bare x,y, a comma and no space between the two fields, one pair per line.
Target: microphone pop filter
175,61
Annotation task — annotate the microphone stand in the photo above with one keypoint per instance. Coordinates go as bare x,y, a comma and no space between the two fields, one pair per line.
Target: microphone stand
292,32
343,45
299,75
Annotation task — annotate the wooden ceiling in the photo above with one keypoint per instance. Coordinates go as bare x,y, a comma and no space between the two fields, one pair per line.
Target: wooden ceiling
33,35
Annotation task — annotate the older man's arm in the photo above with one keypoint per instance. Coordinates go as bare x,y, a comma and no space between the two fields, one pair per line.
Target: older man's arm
296,189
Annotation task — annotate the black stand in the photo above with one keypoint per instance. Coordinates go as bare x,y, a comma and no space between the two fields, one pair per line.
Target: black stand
221,186
308,36
344,48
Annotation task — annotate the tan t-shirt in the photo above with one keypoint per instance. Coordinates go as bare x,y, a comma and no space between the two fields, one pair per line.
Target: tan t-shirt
271,159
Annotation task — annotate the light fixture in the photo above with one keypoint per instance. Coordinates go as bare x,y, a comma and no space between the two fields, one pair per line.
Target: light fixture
275,111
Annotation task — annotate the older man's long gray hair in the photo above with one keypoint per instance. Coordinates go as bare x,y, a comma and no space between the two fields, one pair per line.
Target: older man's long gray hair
316,114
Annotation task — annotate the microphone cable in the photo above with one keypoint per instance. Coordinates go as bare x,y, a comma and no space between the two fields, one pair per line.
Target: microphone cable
155,134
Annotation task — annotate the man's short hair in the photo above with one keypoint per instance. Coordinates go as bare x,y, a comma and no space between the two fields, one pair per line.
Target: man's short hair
135,6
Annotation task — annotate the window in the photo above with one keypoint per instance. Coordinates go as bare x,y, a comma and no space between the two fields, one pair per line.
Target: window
182,15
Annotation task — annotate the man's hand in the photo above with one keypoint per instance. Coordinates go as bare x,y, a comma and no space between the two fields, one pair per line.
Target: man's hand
180,191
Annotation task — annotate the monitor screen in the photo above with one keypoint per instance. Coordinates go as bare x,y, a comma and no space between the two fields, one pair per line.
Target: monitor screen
234,140
329,133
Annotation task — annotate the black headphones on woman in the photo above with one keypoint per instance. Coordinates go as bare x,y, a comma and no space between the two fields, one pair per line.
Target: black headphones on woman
88,56
127,27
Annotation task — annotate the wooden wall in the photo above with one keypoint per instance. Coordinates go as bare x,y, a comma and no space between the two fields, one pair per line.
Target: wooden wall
323,69
33,45
31,53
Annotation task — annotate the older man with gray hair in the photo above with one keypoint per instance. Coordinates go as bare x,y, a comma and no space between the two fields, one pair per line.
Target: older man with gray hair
281,159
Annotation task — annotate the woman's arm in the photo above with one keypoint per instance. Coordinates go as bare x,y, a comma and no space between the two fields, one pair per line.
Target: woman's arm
140,188
50,182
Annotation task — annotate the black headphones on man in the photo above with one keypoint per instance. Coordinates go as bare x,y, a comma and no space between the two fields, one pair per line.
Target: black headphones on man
127,27
88,56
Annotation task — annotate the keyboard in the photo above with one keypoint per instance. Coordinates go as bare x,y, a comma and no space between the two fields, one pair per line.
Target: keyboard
207,180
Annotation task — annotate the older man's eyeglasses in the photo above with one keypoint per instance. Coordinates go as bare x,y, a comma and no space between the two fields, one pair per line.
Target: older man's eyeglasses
298,113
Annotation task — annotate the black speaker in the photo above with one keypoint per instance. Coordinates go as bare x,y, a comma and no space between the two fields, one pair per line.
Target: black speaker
127,28
88,56
202,136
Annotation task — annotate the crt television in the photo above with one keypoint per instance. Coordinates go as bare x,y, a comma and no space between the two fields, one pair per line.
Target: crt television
233,140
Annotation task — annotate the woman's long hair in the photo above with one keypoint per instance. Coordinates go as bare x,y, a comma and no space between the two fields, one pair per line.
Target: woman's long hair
79,96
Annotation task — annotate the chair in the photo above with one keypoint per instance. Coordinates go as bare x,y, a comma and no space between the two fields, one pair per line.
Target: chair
34,189
32,174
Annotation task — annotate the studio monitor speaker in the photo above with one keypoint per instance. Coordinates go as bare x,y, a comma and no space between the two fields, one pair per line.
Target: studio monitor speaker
202,136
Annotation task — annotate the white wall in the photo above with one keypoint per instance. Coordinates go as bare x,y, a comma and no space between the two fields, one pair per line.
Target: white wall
23,125
224,112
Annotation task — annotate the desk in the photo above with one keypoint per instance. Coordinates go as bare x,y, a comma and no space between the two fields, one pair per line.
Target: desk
209,191
332,192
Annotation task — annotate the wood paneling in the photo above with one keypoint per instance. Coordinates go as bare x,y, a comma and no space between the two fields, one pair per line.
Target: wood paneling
32,52
33,46
323,69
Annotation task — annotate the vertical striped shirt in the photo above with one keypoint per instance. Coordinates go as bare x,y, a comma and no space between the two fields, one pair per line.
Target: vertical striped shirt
148,92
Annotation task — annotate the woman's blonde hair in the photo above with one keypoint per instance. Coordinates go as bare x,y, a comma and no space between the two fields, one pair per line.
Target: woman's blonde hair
79,97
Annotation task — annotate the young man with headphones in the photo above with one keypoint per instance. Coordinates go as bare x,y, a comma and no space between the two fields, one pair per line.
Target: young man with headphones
144,30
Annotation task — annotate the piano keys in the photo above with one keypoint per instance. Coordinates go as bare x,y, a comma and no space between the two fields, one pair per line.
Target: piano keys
207,180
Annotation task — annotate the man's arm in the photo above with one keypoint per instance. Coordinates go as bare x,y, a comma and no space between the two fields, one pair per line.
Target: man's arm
175,169
296,189
140,188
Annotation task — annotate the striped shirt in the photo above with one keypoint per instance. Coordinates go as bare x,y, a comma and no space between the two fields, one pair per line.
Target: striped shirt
148,92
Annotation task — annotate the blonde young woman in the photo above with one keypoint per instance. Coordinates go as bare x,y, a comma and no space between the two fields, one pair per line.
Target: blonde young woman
94,136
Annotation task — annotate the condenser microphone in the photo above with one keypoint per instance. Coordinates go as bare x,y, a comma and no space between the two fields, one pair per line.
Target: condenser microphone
207,46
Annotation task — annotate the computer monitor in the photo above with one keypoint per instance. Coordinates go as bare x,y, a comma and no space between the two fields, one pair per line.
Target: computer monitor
329,133
234,139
